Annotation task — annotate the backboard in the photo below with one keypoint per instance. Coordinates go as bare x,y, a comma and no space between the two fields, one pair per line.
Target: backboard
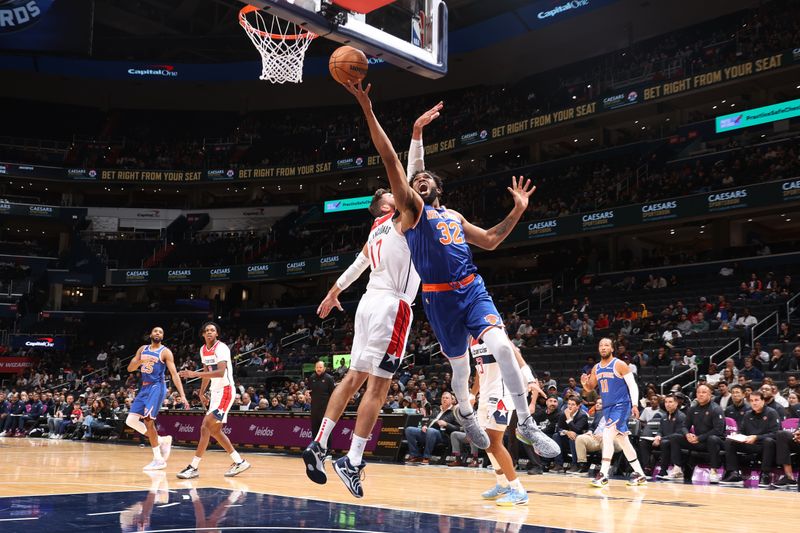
410,34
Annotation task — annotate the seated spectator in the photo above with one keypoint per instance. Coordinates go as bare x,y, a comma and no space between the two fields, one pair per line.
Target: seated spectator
723,396
792,386
572,389
750,372
571,423
276,405
547,419
747,320
737,406
592,441
602,323
794,362
263,405
12,426
247,403
786,443
708,422
428,435
255,361
768,391
653,410
673,424
726,318
684,325
778,362
759,427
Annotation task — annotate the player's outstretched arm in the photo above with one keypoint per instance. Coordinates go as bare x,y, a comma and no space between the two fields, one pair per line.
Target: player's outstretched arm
169,360
416,150
489,239
347,278
136,361
408,202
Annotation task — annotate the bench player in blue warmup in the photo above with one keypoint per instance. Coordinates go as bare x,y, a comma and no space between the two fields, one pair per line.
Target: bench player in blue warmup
620,393
454,296
152,360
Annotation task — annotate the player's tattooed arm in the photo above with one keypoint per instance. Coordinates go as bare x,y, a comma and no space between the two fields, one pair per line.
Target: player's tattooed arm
521,190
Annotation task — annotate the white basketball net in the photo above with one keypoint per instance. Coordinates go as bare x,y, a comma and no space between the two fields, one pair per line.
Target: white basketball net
281,43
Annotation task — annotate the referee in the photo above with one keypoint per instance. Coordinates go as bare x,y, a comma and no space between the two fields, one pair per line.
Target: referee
321,385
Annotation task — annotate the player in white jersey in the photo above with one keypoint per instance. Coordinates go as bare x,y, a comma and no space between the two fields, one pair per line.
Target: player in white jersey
495,407
382,322
218,373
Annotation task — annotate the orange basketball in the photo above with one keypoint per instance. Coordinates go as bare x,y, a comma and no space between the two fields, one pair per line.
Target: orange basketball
348,64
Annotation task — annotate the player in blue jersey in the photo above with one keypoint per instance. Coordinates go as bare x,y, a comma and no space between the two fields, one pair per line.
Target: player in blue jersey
620,393
152,360
454,296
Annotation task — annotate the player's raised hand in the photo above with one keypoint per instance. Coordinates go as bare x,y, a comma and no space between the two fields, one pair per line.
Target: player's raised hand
327,305
361,94
584,379
427,117
521,190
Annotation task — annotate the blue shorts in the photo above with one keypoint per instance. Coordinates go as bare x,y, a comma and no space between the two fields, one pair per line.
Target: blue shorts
457,314
618,415
149,400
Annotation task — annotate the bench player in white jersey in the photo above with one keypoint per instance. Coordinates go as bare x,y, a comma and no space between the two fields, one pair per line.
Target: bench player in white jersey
218,373
382,323
495,407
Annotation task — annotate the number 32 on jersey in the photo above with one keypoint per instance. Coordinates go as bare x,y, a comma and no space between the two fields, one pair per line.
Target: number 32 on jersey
451,233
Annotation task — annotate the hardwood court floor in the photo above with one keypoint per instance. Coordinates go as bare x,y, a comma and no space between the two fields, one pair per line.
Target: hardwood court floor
39,467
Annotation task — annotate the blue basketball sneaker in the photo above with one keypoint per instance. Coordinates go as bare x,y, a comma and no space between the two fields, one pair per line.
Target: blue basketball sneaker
512,498
495,492
350,475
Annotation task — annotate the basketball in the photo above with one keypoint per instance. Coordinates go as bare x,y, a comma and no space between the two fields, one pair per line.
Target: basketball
348,64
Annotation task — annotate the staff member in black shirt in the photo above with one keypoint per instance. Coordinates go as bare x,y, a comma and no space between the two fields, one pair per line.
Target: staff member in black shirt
708,436
672,424
321,385
738,406
760,425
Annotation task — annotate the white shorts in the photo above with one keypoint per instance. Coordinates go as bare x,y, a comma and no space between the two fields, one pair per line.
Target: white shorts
494,413
221,403
382,323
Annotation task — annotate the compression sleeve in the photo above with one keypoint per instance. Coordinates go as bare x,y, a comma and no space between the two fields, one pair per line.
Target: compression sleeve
633,388
353,272
416,158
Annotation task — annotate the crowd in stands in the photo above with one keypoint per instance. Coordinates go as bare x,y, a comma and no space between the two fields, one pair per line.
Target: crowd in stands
88,399
311,135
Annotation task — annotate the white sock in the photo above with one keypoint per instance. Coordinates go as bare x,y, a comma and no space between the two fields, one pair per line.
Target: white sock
236,457
324,433
605,466
516,485
162,440
499,345
502,480
195,462
630,453
135,422
356,452
157,454
460,383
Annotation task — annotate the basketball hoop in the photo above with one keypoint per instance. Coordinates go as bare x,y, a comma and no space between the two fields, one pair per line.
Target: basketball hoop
282,45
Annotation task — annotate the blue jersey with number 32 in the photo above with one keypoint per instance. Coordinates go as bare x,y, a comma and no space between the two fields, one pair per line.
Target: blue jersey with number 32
439,249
